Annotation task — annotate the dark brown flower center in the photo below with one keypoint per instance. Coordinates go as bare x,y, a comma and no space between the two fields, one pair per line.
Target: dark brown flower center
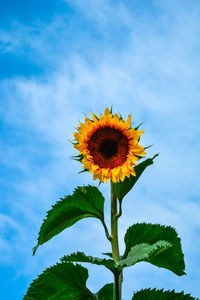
109,147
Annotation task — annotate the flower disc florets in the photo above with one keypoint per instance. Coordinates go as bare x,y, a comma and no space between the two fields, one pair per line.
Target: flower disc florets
108,146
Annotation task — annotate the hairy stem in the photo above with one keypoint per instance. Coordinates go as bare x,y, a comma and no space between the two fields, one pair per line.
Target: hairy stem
115,244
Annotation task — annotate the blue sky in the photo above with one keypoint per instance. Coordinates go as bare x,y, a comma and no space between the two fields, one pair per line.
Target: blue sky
63,59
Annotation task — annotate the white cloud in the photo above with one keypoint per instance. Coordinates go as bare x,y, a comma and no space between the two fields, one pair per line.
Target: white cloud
104,12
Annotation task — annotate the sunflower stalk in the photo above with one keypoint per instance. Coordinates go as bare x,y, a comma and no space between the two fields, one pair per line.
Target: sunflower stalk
115,245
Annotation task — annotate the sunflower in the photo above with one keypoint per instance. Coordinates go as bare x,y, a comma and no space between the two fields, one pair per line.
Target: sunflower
108,146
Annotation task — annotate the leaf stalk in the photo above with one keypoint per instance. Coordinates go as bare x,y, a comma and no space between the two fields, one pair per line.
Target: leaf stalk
106,230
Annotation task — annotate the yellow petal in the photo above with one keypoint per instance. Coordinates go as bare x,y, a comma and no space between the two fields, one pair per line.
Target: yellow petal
116,171
104,172
95,176
87,120
133,172
94,167
116,118
106,179
139,150
128,122
124,169
122,177
114,179
77,146
138,133
86,165
81,127
94,117
75,134
106,112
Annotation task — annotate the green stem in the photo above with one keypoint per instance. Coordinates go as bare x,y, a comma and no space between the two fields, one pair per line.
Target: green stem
115,244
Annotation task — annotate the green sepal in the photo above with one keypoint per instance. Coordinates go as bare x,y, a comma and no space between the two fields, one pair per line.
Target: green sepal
62,281
81,257
83,171
86,201
136,128
153,294
171,259
77,157
106,292
122,188
143,252
147,147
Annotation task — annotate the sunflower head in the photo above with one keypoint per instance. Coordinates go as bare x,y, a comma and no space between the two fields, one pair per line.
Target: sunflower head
108,146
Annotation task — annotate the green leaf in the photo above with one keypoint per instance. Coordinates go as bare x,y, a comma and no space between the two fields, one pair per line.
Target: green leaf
122,188
81,257
86,201
106,293
108,254
171,259
143,252
64,281
154,294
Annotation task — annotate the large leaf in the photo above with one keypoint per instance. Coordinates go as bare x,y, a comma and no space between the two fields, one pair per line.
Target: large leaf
106,293
64,281
171,259
154,294
86,201
122,188
81,257
143,252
